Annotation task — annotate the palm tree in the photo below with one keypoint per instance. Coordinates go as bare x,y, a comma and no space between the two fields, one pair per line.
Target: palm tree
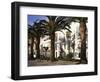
83,37
55,23
37,30
31,35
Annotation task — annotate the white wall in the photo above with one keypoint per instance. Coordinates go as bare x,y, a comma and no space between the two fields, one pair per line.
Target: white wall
5,40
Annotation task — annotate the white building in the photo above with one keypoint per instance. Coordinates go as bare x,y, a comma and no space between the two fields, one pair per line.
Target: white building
61,43
75,31
45,46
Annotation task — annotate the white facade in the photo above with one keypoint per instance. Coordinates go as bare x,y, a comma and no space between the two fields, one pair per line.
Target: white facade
75,31
60,35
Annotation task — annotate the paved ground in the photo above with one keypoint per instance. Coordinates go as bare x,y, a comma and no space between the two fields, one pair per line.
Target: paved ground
48,62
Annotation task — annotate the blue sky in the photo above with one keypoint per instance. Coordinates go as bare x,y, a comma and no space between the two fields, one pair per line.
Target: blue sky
33,18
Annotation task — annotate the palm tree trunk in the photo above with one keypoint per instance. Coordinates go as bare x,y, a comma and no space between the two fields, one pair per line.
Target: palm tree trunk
32,44
52,46
83,42
73,46
38,47
83,52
